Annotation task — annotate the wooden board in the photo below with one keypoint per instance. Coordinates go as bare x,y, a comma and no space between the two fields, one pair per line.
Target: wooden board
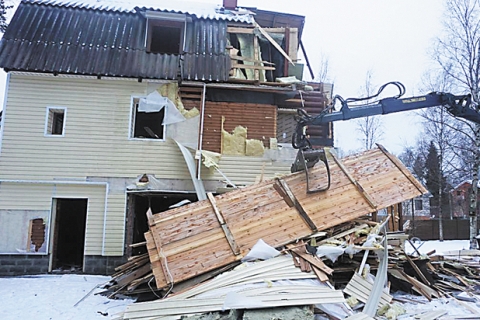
187,241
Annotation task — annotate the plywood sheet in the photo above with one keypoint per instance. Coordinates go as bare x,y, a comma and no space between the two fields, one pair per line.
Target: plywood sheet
188,241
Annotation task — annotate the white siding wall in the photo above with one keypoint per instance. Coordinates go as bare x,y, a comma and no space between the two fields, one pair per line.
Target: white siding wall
38,197
95,144
96,132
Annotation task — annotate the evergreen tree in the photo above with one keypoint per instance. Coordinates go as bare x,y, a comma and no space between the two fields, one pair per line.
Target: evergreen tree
419,168
435,181
432,170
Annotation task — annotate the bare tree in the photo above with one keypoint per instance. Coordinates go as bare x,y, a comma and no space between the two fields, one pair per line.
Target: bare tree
371,127
324,70
457,54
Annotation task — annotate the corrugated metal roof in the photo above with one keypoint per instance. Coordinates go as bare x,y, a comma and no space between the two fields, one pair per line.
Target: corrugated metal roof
64,39
197,9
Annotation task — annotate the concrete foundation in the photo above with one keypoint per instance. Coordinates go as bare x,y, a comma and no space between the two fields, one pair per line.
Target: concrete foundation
102,265
23,264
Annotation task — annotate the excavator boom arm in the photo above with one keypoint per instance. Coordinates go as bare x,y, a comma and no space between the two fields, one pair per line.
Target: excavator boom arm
459,106
307,157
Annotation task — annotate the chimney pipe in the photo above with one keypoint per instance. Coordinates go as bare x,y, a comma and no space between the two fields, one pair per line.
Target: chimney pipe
230,4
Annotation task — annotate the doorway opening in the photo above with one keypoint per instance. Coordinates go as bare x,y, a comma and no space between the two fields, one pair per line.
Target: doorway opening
68,241
137,223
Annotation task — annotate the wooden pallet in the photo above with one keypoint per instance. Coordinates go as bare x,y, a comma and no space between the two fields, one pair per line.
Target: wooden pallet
191,240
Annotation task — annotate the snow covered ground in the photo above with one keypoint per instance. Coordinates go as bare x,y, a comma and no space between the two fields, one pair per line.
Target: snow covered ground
439,246
56,297
60,296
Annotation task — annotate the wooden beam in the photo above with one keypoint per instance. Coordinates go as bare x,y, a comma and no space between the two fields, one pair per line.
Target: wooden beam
226,230
417,270
292,199
256,55
251,30
245,66
273,42
250,60
401,167
313,260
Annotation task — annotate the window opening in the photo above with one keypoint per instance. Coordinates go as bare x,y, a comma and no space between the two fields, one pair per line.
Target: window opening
147,125
165,37
55,121
418,204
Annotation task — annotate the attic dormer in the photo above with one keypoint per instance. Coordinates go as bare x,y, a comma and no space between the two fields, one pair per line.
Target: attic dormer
165,32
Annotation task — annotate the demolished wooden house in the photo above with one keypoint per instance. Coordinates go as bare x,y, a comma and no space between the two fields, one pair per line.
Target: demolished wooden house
215,68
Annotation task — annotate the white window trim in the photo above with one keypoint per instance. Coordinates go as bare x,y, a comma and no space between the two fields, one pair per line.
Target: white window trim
132,122
167,16
46,133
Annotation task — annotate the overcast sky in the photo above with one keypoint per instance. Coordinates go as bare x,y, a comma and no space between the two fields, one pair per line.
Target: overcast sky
389,38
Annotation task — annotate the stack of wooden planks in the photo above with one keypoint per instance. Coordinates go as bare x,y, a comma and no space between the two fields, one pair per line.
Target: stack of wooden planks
129,276
191,240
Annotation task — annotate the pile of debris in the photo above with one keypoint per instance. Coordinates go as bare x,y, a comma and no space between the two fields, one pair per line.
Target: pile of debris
330,258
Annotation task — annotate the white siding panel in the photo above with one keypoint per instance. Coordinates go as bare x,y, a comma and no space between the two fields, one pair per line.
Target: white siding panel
38,196
115,226
96,132
248,170
16,196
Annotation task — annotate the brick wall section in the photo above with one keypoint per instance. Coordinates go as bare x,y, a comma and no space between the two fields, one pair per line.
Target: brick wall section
102,265
15,264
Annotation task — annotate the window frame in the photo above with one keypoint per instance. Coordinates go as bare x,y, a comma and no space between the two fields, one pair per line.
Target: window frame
133,106
49,126
165,19
418,203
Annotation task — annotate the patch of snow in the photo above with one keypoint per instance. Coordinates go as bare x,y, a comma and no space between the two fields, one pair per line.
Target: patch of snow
439,246
59,297
55,296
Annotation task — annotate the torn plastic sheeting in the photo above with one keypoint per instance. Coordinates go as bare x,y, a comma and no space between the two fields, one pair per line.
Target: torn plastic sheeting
172,115
330,252
185,132
198,184
262,251
155,102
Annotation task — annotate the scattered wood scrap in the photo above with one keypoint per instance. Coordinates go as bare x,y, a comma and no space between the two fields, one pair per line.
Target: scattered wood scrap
327,238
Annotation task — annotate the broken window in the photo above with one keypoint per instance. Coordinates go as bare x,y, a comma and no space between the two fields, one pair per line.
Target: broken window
165,32
147,125
55,123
